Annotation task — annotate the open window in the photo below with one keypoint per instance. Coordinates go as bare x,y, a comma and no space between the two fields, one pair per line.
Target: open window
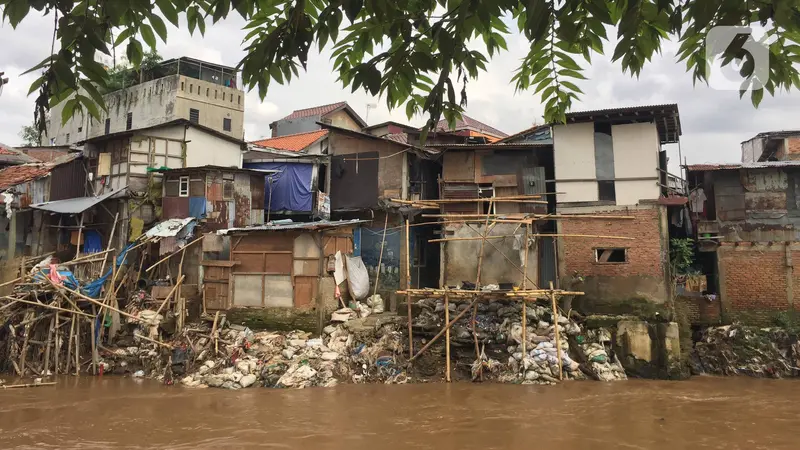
611,255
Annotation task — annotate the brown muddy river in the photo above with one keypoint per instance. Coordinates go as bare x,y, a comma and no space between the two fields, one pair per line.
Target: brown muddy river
703,413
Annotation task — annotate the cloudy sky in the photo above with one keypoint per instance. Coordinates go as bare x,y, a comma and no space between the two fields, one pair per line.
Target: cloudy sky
714,122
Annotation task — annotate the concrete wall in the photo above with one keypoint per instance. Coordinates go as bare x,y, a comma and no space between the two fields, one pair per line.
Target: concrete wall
461,257
751,150
154,103
342,119
610,285
206,149
214,103
574,160
636,148
284,127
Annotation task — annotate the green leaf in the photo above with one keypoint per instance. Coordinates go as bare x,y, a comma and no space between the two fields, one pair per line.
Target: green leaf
15,11
147,35
168,11
134,52
94,93
352,8
756,96
69,110
89,105
159,26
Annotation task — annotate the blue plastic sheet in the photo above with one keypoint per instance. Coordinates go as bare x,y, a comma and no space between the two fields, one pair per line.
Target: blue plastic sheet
92,242
291,188
197,207
93,289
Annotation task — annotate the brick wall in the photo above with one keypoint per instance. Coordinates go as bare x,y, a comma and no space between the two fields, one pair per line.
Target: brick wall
700,310
613,287
753,278
793,149
644,253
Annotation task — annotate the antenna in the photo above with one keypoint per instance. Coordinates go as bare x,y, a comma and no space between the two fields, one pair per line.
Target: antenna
369,106
4,81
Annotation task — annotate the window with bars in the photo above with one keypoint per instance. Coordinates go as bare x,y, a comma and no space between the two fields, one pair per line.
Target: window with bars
108,126
194,115
183,187
129,121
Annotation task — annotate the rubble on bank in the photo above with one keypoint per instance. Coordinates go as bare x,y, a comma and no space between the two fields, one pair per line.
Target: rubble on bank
743,350
498,327
236,357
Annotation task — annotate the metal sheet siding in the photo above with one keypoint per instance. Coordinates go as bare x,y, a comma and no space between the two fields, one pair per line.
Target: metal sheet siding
175,207
460,190
241,196
68,181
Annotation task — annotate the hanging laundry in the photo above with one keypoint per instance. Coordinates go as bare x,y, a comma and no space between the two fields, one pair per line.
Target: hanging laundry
697,200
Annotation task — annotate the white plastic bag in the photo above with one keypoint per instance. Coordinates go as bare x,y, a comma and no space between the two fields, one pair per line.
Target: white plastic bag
357,277
376,303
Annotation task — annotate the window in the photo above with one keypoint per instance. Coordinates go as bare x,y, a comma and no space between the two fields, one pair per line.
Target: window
606,191
327,121
183,187
108,125
129,121
67,138
611,255
80,129
240,99
191,88
226,124
227,190
215,94
223,96
208,92
182,86
194,115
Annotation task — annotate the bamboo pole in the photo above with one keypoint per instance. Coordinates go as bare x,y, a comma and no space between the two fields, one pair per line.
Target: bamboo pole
447,334
93,330
558,335
149,269
47,348
110,241
28,385
91,300
178,293
55,308
214,333
380,257
497,249
80,233
11,282
24,353
408,297
141,336
77,347
172,291
57,331
486,231
524,287
69,349
444,330
533,235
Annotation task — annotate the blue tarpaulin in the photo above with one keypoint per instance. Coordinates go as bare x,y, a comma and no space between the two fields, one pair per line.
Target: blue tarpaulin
291,188
197,207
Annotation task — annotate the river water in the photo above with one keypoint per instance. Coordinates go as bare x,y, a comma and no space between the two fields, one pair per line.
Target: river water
702,413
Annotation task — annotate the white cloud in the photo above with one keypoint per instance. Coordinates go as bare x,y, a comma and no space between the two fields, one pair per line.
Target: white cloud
714,122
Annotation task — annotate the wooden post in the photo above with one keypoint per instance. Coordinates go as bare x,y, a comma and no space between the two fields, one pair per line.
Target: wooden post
555,329
12,238
524,299
179,310
93,329
110,240
77,346
443,331
58,341
486,230
214,333
80,233
408,296
447,333
71,337
47,348
24,354
380,257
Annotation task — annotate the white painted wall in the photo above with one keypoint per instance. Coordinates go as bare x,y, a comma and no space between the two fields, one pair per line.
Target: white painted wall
636,148
204,148
573,147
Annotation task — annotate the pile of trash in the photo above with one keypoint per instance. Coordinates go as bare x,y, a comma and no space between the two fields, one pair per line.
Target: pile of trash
498,327
742,350
235,357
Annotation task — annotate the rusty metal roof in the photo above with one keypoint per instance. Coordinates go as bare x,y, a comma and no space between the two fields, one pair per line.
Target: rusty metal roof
292,142
736,166
467,122
284,226
666,117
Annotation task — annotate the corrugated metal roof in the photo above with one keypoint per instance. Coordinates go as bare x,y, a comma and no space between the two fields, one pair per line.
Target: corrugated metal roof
735,166
493,145
168,228
315,111
77,205
319,225
665,116
774,134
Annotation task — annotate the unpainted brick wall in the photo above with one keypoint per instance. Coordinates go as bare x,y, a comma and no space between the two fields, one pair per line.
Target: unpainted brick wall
644,253
793,145
754,278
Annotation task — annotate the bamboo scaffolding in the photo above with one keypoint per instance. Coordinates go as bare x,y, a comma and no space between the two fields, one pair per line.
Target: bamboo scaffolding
408,297
150,269
557,333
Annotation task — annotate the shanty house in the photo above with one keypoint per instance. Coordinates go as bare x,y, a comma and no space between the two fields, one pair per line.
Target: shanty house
218,197
278,271
27,231
12,157
298,187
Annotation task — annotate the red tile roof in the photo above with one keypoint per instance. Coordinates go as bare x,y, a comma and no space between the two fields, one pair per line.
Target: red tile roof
14,175
469,122
292,142
6,150
315,111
